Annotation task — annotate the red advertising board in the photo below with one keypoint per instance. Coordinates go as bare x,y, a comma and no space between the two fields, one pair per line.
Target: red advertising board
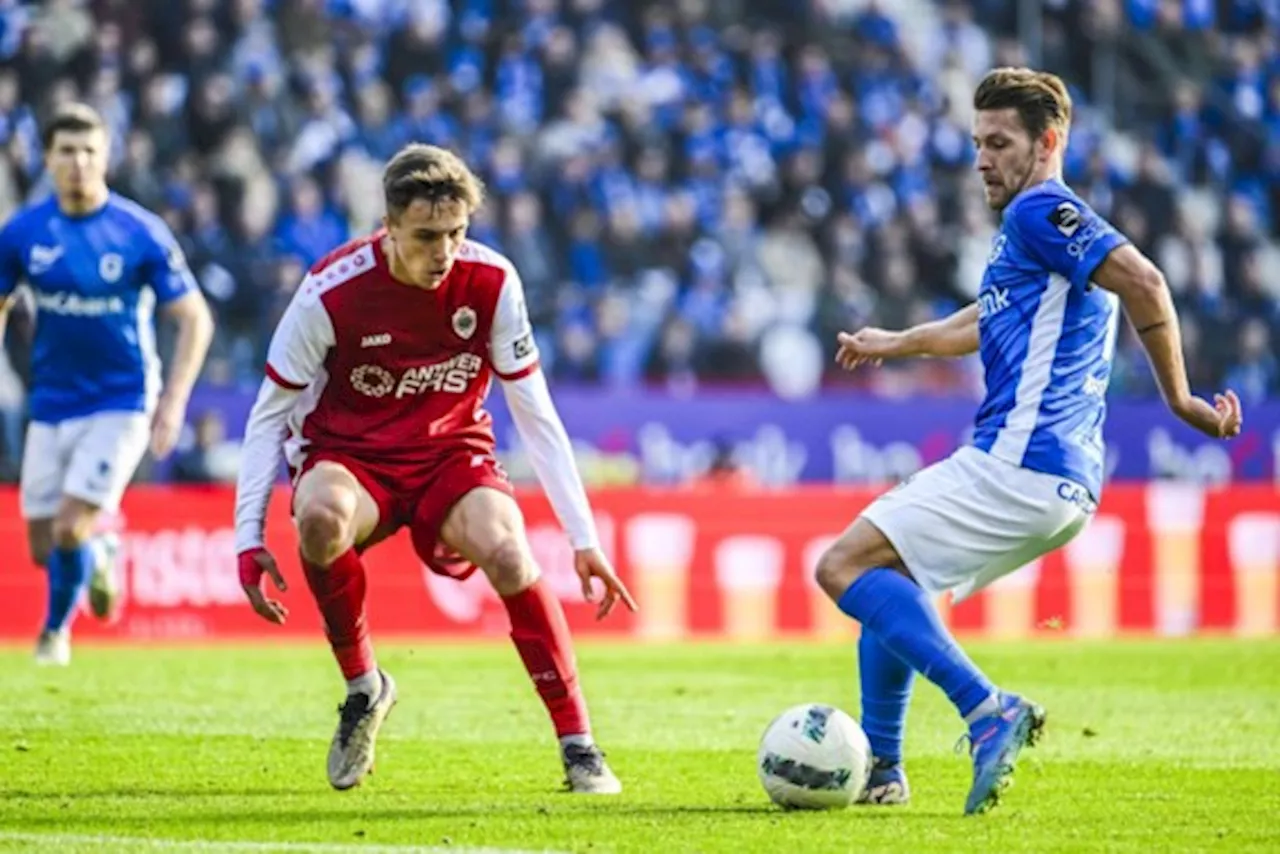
705,562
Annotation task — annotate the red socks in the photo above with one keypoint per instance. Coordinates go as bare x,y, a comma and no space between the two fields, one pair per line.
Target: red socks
538,629
339,591
541,636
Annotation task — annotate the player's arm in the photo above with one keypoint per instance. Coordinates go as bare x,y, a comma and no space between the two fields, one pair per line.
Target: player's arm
295,356
950,337
181,302
1074,242
190,313
1146,299
514,356
11,273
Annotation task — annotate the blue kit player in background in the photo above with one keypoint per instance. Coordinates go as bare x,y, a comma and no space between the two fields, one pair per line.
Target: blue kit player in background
97,265
1045,324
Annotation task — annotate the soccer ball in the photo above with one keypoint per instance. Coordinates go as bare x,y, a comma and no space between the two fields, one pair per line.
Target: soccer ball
814,757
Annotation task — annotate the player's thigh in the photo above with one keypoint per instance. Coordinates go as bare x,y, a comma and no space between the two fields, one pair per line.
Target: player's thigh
331,492
44,466
859,548
976,517
485,526
866,544
108,448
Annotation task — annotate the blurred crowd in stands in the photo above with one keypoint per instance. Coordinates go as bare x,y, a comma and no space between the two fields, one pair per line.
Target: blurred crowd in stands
694,192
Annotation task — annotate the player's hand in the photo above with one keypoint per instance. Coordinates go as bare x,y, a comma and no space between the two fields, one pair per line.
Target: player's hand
1222,420
254,563
591,563
868,344
166,427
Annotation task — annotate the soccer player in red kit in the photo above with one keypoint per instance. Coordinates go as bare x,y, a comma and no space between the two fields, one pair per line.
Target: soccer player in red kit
376,379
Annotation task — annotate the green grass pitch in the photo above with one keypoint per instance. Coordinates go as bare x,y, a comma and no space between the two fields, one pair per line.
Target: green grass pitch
1151,746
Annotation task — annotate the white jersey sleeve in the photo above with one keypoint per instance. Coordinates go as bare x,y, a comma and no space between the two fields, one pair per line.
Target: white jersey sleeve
513,352
297,352
260,459
551,454
302,339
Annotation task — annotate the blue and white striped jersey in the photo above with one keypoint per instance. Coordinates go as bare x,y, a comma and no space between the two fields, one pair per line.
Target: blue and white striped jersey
1047,337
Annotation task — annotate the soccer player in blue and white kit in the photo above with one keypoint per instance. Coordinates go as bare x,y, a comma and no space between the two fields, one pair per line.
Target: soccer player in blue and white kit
1045,324
96,264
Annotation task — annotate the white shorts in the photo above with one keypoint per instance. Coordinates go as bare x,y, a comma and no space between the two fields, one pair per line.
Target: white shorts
965,521
91,458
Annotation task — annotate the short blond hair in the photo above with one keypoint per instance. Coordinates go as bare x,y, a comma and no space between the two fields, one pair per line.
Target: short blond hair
429,172
1041,98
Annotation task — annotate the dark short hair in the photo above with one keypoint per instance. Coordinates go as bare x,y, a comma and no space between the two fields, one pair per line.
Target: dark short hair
73,118
1040,98
428,172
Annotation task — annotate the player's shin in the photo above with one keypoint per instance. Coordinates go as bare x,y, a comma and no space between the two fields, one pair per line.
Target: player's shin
339,591
899,613
541,637
68,571
886,689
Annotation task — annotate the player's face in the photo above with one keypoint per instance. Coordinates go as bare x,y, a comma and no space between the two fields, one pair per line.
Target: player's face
77,161
425,239
1008,158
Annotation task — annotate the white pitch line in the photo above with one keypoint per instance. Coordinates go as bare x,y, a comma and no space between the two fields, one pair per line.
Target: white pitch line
134,843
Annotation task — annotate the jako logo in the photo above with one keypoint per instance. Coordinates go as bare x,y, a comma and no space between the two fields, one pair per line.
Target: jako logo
376,340
992,302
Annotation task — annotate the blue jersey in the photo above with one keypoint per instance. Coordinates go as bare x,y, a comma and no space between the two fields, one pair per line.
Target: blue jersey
96,280
1047,336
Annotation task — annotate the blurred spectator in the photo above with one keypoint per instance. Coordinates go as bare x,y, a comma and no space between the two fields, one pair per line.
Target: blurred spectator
211,458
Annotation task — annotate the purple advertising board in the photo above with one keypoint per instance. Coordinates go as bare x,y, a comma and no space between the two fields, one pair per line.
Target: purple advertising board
659,437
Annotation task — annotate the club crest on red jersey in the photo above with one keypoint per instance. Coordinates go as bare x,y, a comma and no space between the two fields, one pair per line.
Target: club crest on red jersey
464,322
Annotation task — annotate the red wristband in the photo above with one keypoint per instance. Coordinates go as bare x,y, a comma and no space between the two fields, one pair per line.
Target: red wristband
251,571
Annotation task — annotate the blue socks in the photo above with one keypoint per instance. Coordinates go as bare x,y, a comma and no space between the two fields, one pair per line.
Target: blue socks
886,689
899,614
69,571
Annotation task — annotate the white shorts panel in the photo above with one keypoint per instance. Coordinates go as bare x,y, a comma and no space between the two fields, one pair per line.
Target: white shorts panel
44,463
970,519
92,458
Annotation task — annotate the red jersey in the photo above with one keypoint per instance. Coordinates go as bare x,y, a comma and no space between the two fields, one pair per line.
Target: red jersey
394,372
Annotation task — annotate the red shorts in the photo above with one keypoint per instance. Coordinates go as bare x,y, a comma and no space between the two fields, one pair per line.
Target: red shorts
419,495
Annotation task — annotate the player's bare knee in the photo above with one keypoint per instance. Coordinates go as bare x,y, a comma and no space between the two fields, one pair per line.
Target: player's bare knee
509,567
70,530
40,540
837,568
41,551
323,529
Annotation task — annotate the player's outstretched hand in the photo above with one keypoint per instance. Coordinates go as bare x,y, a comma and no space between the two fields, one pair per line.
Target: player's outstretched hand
591,563
1222,420
166,426
254,563
866,345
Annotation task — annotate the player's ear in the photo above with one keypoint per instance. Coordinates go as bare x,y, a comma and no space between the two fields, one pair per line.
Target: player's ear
1050,142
